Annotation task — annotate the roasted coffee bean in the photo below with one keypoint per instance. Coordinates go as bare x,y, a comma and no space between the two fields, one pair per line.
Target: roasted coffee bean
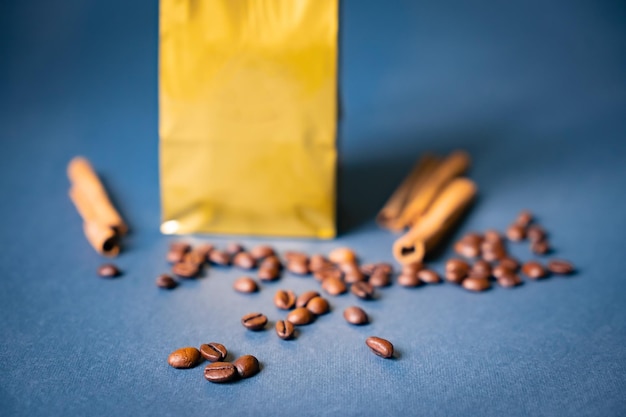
524,218
220,372
476,283
384,267
334,286
500,270
412,269
354,276
247,366
204,249
300,316
560,267
509,263
363,290
492,236
456,270
268,273
166,281
318,262
218,257
108,271
195,257
284,299
298,266
409,281
297,256
284,329
380,347
509,279
467,249
261,252
271,262
213,352
185,270
536,233
245,285
328,272
318,306
494,254
304,298
515,233
244,260
234,248
380,279
254,321
177,252
184,358
534,270
342,255
368,269
355,315
540,248
428,276
481,268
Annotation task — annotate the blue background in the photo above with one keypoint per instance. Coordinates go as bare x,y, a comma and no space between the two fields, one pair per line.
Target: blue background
535,90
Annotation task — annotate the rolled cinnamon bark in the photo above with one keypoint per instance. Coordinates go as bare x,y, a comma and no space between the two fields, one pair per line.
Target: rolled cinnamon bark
430,228
102,223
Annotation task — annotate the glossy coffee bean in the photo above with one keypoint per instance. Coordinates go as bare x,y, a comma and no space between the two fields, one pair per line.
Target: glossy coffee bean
318,262
495,254
261,252
541,247
328,272
318,306
220,372
355,315
363,290
409,281
524,218
380,279
166,281
204,249
298,266
536,233
476,284
500,270
271,262
244,260
492,236
284,299
334,286
296,256
177,252
213,352
534,270
195,257
184,358
456,270
342,255
268,273
108,271
428,276
245,285
412,269
185,270
560,267
218,257
247,366
509,280
380,346
515,233
285,329
234,248
304,298
254,321
509,263
300,316
466,249
481,268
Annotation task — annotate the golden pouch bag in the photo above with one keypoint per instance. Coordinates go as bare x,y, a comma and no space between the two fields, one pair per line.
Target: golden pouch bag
248,107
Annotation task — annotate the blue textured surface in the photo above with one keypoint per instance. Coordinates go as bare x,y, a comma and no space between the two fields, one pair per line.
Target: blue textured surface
535,90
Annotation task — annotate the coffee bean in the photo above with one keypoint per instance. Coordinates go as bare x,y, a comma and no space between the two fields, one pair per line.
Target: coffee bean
284,299
363,290
298,266
271,262
300,316
108,271
284,329
412,269
304,298
184,358
318,262
234,248
328,272
428,276
380,347
245,285
492,236
384,267
334,286
177,252
166,281
456,270
560,267
481,268
244,260
509,279
318,306
493,252
213,352
476,284
368,269
467,249
195,257
342,255
352,272
515,233
268,273
254,321
296,256
409,280
524,218
534,270
247,366
185,270
262,251
220,372
509,263
204,249
500,270
536,233
218,257
540,248
355,315
380,279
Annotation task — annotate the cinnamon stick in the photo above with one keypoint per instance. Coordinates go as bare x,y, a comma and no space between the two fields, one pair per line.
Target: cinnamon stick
102,223
430,228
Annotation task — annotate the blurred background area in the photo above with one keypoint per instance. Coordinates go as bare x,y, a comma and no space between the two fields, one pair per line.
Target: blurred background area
522,85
